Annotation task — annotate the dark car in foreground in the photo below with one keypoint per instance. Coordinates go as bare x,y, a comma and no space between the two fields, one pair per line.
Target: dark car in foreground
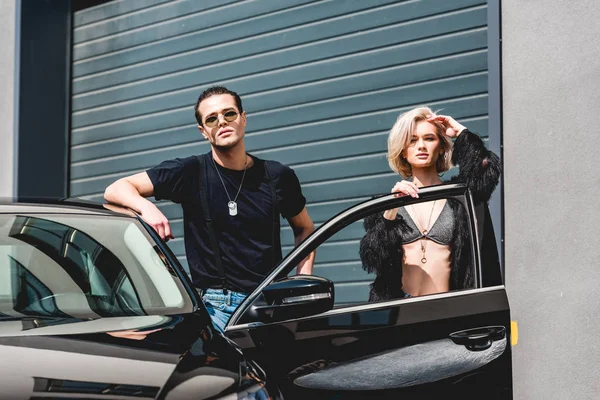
94,305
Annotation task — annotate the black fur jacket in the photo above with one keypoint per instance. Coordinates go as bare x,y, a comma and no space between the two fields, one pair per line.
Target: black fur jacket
381,249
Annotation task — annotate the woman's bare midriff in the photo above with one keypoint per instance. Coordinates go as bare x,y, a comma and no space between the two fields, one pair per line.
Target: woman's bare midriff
419,278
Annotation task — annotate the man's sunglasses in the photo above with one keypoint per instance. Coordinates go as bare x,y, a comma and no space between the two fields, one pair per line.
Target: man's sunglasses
213,120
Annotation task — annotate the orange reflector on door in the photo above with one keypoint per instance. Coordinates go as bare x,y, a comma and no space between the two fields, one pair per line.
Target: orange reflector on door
514,333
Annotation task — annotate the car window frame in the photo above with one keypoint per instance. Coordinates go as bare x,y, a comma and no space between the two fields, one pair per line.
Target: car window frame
356,213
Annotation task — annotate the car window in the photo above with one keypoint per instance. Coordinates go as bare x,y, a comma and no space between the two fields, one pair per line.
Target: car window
374,258
84,266
25,292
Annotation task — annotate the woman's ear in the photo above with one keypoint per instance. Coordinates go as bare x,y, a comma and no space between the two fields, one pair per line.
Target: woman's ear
442,146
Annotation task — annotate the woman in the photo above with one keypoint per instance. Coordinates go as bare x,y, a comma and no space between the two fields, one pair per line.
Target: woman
425,248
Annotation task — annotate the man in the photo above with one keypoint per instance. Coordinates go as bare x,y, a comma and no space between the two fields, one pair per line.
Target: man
233,242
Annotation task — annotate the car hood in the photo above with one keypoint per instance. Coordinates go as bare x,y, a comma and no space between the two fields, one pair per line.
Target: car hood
143,357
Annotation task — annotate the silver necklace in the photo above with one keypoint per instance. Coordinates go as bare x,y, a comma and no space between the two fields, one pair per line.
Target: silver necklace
231,205
425,231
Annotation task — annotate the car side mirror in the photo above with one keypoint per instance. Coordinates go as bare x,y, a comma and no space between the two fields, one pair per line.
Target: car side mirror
292,297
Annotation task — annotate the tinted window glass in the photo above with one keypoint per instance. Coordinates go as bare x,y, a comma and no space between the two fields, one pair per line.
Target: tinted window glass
375,259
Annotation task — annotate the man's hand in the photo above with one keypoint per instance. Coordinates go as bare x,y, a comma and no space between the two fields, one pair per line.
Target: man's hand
157,220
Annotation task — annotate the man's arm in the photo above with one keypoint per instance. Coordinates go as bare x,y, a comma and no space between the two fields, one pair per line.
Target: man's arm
131,192
303,226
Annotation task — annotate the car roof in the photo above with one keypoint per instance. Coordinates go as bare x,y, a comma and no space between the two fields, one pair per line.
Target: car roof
62,206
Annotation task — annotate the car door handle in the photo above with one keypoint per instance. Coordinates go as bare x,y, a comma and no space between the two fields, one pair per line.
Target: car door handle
479,339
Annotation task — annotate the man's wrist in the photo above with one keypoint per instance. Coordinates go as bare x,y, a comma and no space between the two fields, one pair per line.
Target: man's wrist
144,205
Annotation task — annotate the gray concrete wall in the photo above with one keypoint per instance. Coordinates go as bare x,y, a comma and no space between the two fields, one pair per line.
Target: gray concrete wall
551,89
8,36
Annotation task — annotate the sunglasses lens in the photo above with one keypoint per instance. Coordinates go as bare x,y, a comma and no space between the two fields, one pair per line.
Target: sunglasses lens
211,122
230,115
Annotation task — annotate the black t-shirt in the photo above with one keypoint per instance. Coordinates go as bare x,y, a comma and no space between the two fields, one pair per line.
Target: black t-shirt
245,240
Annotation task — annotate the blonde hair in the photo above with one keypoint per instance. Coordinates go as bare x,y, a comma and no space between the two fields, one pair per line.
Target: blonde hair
401,134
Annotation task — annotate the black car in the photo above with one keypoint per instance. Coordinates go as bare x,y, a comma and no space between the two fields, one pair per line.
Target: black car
94,305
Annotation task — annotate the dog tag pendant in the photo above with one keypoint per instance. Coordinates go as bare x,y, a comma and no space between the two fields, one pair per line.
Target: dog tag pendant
232,205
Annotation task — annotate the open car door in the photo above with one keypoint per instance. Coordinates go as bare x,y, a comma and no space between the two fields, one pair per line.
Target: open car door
319,336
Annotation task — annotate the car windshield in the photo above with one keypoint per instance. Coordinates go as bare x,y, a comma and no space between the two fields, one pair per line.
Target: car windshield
84,266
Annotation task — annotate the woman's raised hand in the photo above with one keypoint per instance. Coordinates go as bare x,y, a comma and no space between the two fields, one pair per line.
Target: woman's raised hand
405,188
453,128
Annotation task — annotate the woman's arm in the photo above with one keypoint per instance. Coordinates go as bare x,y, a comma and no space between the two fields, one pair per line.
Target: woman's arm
381,246
381,253
479,168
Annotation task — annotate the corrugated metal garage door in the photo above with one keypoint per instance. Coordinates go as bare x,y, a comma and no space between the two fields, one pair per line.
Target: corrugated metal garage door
322,82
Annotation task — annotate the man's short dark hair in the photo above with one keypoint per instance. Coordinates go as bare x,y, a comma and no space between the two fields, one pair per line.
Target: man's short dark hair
213,91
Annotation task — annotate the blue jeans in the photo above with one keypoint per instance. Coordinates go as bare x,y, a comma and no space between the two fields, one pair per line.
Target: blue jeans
221,306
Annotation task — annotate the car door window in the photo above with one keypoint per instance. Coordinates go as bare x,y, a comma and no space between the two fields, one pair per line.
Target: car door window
375,258
371,259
